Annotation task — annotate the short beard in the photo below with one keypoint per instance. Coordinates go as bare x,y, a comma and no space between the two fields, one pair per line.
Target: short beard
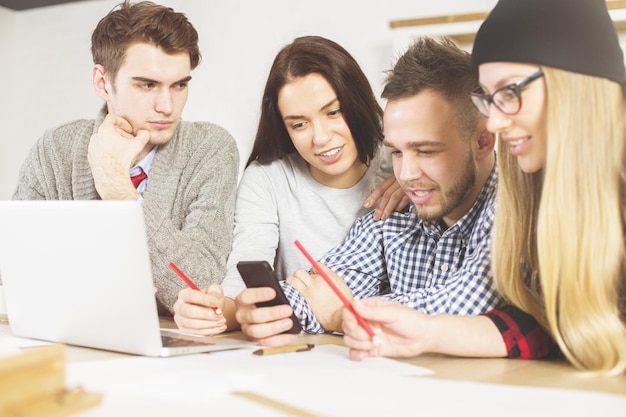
454,196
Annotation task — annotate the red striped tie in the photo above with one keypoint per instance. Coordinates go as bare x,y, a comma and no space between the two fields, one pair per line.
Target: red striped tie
136,179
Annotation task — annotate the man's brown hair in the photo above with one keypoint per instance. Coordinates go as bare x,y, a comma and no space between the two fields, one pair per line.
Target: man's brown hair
144,22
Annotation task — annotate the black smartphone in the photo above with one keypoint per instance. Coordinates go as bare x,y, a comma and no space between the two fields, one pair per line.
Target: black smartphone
260,274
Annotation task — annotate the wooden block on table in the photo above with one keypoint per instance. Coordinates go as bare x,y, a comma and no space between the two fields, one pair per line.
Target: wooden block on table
32,384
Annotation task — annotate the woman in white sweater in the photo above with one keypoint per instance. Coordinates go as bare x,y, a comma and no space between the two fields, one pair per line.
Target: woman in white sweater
316,158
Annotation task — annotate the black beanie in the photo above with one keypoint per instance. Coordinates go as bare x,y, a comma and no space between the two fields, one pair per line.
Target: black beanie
573,35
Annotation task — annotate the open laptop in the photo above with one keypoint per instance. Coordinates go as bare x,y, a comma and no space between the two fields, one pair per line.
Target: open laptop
79,272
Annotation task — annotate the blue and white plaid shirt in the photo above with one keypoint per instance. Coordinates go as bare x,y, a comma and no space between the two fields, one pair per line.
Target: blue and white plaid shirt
412,262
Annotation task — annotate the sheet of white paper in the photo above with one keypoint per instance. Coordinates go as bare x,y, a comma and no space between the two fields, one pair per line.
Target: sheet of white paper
205,381
378,394
3,305
6,351
10,342
322,382
11,345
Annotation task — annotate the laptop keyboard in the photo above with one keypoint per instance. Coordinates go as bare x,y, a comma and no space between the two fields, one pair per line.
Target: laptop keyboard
172,341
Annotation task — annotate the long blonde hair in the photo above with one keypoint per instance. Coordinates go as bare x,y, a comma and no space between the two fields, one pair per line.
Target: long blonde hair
558,244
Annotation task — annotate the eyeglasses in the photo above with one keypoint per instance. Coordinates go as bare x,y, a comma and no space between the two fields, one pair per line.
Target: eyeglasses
507,99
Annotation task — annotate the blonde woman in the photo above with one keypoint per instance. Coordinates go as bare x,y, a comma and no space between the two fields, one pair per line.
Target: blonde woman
555,98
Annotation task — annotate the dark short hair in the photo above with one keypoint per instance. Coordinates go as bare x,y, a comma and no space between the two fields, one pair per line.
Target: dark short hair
315,54
437,65
147,22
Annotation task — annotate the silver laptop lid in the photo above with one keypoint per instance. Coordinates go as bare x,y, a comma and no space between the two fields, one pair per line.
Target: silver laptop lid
79,272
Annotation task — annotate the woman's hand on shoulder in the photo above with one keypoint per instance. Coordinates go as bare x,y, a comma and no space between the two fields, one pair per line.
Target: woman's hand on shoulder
392,198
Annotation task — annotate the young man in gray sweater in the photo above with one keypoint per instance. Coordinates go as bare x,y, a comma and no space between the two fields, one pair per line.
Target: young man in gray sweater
184,173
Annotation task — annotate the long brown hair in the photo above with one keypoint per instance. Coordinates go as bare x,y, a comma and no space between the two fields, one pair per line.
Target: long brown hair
315,54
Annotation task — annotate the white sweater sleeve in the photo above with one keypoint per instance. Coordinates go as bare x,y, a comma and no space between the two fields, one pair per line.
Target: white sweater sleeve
255,235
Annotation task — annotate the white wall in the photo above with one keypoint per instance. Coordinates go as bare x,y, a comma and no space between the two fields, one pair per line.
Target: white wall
7,125
46,62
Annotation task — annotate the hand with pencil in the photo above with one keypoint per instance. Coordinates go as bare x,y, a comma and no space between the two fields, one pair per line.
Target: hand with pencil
346,302
199,311
402,331
267,325
320,297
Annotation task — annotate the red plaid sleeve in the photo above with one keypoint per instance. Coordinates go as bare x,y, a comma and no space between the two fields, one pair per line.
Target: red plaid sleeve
523,336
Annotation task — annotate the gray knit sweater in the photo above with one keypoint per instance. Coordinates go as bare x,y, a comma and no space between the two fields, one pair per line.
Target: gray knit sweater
188,203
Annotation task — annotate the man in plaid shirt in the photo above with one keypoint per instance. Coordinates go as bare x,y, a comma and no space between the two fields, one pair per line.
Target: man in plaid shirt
435,257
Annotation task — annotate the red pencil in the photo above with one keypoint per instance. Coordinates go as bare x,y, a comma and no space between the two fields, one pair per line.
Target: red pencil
343,298
191,284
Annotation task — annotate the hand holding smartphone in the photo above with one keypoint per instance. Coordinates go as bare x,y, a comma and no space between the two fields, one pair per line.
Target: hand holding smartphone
260,274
